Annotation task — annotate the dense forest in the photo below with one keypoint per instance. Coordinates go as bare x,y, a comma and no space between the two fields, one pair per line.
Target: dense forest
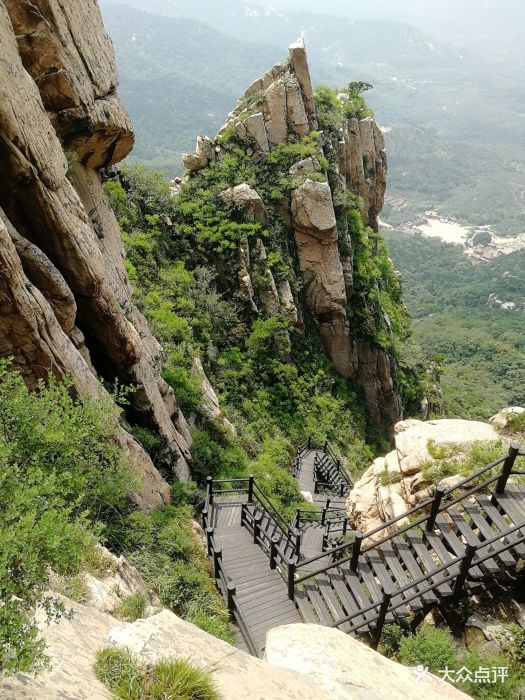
482,349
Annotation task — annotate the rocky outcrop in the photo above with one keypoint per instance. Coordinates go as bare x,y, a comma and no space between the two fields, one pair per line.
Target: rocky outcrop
362,161
278,109
64,292
302,661
315,229
395,483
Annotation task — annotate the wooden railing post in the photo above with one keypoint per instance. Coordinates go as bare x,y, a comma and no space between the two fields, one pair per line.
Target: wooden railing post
466,563
507,468
297,517
325,446
243,514
217,557
204,518
209,535
231,593
291,578
345,526
209,488
342,489
297,543
380,622
257,527
326,532
434,510
356,549
273,551
250,488
309,442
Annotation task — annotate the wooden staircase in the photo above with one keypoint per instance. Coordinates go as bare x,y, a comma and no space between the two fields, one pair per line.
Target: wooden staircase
463,541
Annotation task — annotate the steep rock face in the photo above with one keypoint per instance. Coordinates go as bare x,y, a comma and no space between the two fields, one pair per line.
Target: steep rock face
278,110
65,295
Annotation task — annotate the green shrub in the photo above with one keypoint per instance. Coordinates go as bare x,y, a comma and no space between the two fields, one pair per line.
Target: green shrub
430,647
512,643
516,423
62,479
120,673
132,607
391,639
189,492
388,478
180,679
98,562
462,460
130,679
509,688
152,442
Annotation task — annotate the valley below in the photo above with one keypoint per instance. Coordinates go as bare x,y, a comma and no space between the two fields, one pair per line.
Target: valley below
479,243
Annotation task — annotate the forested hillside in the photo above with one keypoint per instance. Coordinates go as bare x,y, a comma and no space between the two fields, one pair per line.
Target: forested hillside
482,349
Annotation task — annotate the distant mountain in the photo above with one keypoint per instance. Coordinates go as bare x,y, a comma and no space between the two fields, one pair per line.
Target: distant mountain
457,116
179,78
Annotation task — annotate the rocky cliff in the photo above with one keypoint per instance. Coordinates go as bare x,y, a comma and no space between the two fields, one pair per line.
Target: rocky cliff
65,299
324,183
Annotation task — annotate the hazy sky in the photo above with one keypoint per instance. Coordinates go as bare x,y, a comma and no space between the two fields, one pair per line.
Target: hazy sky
467,22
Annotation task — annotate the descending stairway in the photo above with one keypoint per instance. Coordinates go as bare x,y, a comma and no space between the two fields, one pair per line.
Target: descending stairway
461,542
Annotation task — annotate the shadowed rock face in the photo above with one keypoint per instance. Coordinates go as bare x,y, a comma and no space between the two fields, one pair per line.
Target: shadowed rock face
279,108
65,297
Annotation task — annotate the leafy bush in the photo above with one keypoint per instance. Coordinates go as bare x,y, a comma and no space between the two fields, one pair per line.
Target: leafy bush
430,647
512,644
152,442
62,479
391,639
130,679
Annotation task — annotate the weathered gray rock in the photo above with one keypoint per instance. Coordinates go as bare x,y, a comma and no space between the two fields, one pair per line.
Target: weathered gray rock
394,484
254,126
304,167
315,230
236,674
275,104
412,438
193,162
346,668
210,405
501,419
58,80
296,111
70,57
247,200
299,65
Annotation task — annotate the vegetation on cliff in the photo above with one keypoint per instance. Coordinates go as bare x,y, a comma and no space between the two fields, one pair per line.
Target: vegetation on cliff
64,485
61,481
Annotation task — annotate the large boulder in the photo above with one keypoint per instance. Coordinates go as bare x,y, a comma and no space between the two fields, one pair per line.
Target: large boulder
247,200
345,667
301,661
394,483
